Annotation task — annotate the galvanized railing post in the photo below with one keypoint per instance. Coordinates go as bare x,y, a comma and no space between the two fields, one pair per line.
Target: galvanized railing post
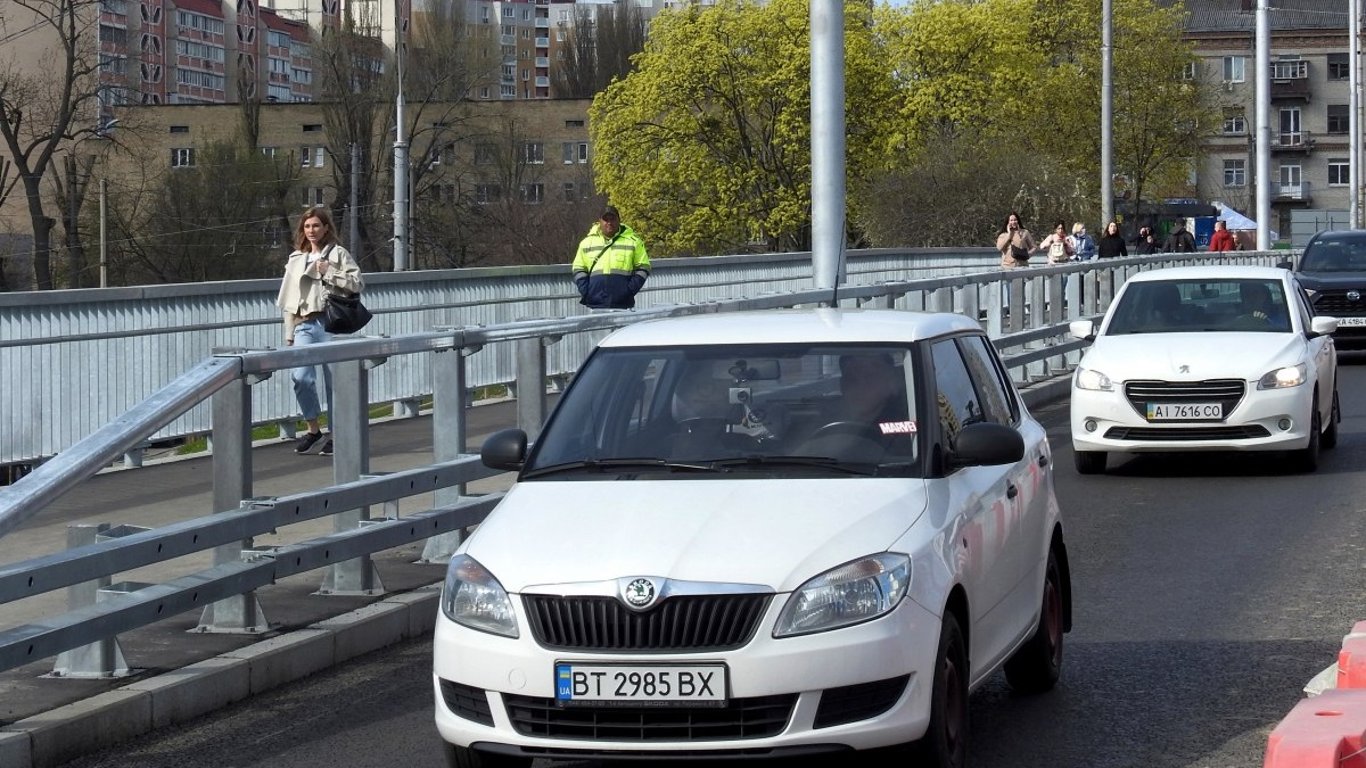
351,443
449,438
102,658
531,408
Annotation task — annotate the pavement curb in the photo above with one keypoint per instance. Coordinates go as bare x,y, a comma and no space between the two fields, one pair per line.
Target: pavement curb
51,738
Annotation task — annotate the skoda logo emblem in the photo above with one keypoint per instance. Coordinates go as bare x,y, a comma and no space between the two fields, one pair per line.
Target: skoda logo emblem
639,593
1354,295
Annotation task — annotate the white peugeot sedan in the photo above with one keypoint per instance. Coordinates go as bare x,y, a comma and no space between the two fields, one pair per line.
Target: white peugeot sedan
1208,358
759,534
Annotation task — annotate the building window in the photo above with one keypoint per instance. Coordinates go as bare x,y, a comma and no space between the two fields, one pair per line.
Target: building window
180,129
270,151
115,35
573,123
1188,71
1339,173
487,193
485,154
1235,125
313,196
484,92
533,152
1339,66
1235,173
312,157
1337,118
570,192
1234,69
182,157
533,194
312,127
575,152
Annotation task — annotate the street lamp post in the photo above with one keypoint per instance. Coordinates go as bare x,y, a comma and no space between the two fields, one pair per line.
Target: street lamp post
1107,104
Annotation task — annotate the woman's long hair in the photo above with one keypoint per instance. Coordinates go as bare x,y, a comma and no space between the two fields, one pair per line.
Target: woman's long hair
329,231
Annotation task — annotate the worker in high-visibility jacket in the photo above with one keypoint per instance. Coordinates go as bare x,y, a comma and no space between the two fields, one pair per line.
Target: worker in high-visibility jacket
611,265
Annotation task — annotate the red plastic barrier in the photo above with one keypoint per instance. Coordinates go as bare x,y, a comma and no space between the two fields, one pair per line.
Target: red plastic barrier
1352,658
1326,731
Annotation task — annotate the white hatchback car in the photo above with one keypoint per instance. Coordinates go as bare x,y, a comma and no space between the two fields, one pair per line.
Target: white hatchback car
1208,358
758,535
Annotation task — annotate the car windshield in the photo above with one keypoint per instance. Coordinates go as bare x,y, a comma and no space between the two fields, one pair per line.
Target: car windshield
1195,306
1335,254
749,410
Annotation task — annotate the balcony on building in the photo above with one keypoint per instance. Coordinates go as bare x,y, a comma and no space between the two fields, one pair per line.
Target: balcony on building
542,62
543,22
542,82
1291,193
1290,80
543,42
1292,141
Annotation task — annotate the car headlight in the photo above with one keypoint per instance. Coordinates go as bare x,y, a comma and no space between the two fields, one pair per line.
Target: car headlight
471,597
1088,378
1289,376
852,593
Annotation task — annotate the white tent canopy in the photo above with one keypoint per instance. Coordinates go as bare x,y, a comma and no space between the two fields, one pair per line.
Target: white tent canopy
1237,222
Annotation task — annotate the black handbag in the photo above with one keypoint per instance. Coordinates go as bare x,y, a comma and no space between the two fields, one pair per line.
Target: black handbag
343,313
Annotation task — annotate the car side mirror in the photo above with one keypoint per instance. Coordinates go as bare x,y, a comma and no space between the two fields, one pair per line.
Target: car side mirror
985,443
505,449
1287,264
1321,325
1082,329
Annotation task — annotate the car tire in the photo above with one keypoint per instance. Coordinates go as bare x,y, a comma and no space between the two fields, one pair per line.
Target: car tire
1307,458
464,757
945,743
1330,435
1037,664
1090,462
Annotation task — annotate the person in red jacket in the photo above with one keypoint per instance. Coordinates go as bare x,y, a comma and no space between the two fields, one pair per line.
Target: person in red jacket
1222,239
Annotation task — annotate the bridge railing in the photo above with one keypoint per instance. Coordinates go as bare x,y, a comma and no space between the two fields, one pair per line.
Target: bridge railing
1026,312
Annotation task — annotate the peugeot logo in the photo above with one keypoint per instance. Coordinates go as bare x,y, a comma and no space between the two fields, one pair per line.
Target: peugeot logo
1354,295
1184,369
639,593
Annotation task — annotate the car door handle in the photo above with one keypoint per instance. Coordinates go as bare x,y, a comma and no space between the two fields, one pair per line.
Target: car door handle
1012,491
1043,461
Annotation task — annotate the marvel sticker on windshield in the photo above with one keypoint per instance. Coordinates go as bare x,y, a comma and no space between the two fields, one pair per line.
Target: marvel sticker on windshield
897,427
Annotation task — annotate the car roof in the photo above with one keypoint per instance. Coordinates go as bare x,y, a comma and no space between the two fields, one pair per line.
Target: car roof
1340,234
1212,272
778,326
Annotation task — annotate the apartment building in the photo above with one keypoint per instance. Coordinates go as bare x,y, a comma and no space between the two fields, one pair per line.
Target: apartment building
1310,95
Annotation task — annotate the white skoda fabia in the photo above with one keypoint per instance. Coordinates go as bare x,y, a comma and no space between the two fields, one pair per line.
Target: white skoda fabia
758,535
1214,358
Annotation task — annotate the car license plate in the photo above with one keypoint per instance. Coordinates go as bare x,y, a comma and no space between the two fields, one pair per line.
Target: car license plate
1185,411
648,684
1352,321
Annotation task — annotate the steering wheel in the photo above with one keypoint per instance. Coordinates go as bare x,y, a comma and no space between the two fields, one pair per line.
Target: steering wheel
844,427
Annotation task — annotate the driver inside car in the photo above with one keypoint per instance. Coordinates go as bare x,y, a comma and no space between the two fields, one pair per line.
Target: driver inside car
703,415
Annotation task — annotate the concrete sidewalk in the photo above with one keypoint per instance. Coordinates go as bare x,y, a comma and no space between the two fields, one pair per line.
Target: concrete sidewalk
178,674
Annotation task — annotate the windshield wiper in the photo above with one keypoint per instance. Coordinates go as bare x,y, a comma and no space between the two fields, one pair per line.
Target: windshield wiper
604,465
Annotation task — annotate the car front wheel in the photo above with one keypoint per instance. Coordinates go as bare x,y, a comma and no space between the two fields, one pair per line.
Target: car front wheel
464,757
1307,458
1035,667
1089,462
1330,435
945,744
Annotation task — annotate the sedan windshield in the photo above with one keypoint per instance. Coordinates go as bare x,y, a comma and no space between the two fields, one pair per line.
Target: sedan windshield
768,410
1336,254
1196,306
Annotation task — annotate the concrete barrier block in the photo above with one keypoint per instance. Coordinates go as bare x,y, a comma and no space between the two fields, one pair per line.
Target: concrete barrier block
366,629
422,607
194,690
1327,731
286,658
1352,658
16,749
67,732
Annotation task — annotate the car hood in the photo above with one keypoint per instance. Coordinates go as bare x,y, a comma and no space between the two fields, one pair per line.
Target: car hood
772,532
1193,356
1318,281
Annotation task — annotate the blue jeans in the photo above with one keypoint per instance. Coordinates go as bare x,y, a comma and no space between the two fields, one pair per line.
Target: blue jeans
306,377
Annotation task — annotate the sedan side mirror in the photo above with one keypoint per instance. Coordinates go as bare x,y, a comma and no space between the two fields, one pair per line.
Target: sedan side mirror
985,443
505,449
1321,325
1287,264
1082,329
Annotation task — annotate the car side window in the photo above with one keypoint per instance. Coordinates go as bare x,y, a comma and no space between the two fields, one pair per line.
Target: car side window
955,398
997,402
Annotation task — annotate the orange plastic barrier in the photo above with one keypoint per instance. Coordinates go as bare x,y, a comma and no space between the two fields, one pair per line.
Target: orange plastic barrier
1352,658
1326,731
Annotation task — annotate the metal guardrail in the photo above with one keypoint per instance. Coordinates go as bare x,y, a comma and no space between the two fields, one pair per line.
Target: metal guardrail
1025,311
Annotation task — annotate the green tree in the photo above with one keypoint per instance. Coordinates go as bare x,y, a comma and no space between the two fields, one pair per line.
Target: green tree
601,43
705,146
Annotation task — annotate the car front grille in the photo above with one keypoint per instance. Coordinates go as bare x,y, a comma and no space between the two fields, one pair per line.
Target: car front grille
1178,434
689,623
752,718
1226,392
1334,302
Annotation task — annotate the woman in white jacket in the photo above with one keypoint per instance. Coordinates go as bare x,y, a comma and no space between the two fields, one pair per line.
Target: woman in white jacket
319,264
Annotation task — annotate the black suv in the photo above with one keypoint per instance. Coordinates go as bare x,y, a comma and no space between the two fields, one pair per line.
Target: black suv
1333,272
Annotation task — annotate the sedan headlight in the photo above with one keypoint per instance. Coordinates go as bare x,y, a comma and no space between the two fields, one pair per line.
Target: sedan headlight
471,597
1089,378
1289,376
852,593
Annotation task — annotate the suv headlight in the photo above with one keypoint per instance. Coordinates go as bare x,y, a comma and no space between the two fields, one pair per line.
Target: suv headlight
1289,376
850,594
1089,378
472,598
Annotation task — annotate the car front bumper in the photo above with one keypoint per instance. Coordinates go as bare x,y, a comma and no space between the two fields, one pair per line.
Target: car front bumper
1107,421
859,687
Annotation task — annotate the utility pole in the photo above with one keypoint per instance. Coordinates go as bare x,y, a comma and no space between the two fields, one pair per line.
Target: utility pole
104,254
400,152
1107,116
827,142
1354,115
1263,127
353,204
